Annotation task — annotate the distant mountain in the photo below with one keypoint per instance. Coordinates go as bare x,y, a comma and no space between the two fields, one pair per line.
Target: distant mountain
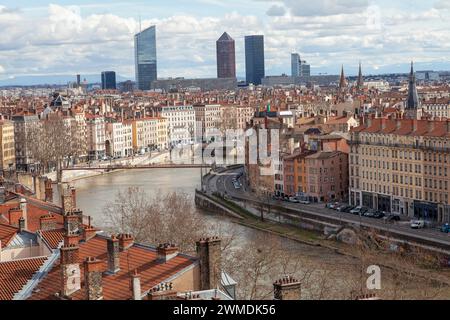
52,80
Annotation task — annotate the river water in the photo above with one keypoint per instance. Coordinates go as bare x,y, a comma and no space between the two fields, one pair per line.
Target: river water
95,192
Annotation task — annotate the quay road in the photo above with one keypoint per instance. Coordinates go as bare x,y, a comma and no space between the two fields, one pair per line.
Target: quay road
222,182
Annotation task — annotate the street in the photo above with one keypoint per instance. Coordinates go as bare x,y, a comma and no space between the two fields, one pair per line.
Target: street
222,182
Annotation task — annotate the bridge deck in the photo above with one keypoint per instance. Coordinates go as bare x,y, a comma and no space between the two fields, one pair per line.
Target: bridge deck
130,167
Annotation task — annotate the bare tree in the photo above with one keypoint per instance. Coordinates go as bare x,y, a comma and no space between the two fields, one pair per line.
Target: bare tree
54,142
164,218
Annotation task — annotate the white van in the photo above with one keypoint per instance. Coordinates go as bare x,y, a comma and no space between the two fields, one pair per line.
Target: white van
417,224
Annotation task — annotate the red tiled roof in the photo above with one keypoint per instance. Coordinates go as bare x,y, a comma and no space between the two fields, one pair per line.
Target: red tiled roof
14,275
35,210
117,286
7,233
53,237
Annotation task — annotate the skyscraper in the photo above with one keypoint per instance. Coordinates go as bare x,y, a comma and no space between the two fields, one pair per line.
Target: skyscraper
254,59
145,57
109,80
299,67
226,57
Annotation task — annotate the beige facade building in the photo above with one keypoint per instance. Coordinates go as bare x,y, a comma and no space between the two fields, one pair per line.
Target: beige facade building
7,145
149,133
402,166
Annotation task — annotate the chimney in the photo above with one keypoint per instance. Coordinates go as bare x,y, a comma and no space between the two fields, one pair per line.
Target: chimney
47,222
2,195
163,291
89,232
209,254
21,225
24,207
71,222
136,286
73,194
166,252
287,288
93,270
113,255
126,241
48,190
67,200
14,216
70,267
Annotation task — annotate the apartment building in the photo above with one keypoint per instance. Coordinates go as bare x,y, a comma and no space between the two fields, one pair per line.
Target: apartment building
437,108
119,139
23,124
295,173
212,123
149,133
181,123
96,135
402,166
327,176
7,146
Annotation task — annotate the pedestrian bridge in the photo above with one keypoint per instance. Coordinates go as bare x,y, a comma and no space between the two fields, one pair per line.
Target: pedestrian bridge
137,167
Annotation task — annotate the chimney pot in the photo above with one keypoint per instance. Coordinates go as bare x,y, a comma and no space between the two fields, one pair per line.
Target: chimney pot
21,224
209,254
166,252
47,222
287,288
113,255
126,241
136,286
93,269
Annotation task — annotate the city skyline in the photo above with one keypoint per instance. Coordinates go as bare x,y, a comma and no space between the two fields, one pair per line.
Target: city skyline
95,37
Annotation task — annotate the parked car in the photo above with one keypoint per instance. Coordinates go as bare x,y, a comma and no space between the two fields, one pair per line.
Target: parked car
293,200
445,228
370,213
417,224
392,217
304,201
344,208
332,205
359,210
379,214
348,209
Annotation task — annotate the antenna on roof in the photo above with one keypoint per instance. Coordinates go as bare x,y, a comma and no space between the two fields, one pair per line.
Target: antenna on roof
140,24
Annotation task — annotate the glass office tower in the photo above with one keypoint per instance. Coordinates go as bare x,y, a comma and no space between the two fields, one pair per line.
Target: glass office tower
299,67
108,80
226,57
145,58
254,59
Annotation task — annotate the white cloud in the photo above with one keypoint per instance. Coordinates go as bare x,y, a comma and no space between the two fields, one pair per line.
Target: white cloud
276,11
325,7
64,41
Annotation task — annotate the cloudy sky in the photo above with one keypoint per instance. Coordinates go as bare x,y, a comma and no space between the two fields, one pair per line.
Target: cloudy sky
67,37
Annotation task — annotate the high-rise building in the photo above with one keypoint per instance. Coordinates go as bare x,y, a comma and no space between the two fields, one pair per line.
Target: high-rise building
226,57
145,58
78,80
254,59
299,67
109,80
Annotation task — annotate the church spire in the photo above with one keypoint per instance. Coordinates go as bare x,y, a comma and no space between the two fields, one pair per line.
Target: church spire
342,81
360,83
413,101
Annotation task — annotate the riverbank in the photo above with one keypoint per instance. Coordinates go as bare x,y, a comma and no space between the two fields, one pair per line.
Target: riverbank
250,218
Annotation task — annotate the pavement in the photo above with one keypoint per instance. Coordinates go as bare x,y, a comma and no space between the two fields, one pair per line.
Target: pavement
222,182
